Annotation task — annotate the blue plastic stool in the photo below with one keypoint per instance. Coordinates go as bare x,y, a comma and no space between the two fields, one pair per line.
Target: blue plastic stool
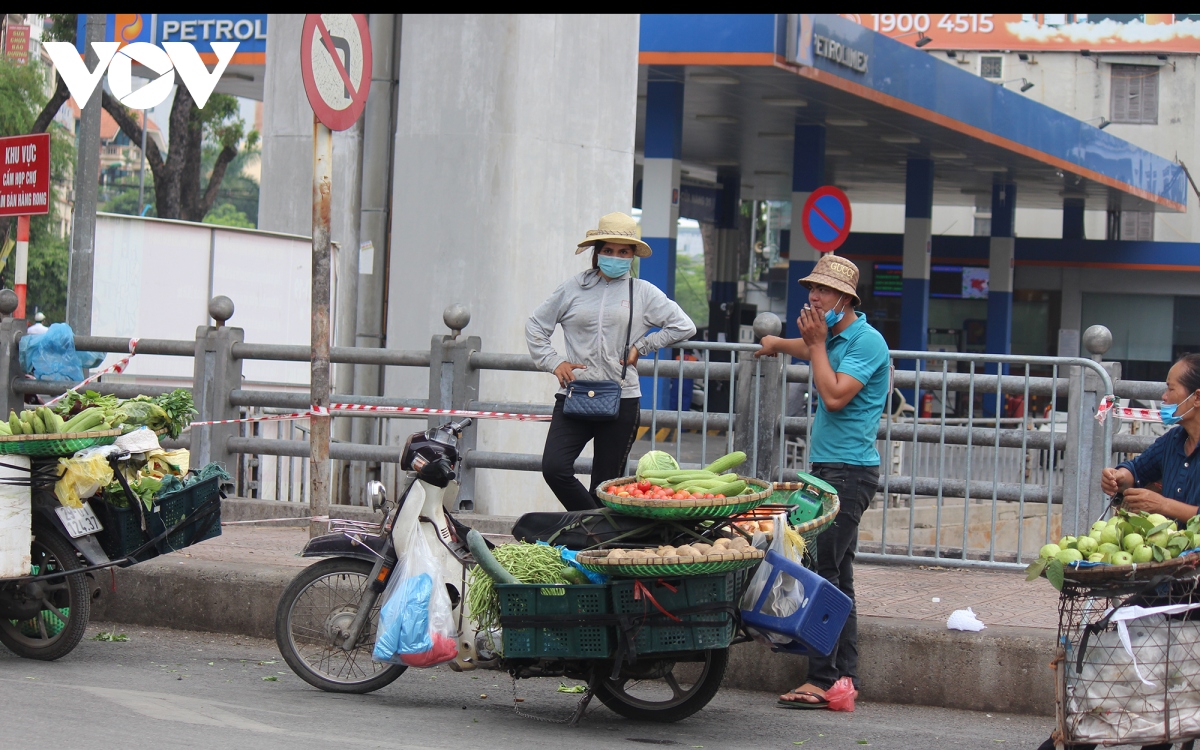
816,625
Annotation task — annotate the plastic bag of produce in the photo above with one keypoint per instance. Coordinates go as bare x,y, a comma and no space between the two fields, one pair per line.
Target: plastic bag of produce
416,626
80,478
841,696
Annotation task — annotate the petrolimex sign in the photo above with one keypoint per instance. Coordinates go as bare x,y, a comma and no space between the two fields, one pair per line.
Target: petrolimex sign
249,30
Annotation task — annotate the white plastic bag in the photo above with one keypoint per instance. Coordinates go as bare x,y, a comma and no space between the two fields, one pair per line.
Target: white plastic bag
786,595
416,626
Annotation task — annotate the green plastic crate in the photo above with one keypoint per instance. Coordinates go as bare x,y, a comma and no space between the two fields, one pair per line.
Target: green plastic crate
169,510
690,591
122,531
568,641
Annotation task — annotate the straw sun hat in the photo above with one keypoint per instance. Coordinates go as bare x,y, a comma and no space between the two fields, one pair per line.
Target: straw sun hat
837,273
618,228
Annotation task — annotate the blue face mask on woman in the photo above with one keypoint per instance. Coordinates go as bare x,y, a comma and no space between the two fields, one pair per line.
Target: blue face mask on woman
614,267
1169,417
833,318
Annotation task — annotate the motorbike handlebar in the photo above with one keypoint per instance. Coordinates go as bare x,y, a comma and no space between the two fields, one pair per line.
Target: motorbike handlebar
458,427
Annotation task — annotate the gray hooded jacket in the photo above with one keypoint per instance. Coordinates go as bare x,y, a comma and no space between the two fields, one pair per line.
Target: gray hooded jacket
594,313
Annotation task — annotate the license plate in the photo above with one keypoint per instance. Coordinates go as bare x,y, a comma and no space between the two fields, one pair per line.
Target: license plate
79,521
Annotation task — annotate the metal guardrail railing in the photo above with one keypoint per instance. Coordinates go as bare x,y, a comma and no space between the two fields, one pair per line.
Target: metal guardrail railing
1001,456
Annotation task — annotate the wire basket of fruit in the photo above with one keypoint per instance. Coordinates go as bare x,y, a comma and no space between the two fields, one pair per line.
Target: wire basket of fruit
1126,547
721,556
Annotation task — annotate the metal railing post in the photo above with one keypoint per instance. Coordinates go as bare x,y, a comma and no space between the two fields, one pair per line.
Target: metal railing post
11,331
1097,340
454,384
217,372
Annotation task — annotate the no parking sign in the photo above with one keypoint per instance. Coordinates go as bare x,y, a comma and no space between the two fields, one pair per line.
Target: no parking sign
825,218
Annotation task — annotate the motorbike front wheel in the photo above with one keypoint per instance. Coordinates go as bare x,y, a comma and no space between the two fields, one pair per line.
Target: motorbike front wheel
663,690
65,602
318,604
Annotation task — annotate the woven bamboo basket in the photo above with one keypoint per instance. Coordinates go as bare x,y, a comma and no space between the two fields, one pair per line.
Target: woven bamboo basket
649,567
691,508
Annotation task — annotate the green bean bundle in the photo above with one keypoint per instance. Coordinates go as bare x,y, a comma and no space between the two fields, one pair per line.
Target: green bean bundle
530,563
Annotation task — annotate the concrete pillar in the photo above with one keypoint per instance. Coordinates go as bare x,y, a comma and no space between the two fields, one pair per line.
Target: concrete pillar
722,301
217,372
1072,225
918,235
660,175
504,157
808,174
1071,316
1000,282
1000,269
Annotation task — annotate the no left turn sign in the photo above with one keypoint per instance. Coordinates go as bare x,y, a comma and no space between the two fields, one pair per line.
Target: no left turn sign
335,63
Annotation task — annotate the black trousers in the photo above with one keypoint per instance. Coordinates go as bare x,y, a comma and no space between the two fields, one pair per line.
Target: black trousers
566,440
836,548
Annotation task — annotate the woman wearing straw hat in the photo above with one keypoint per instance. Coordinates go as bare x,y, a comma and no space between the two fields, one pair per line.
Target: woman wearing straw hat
851,369
604,334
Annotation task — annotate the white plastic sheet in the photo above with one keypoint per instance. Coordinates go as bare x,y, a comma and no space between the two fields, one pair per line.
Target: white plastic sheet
15,518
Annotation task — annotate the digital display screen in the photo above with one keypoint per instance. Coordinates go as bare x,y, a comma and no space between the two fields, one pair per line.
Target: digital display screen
888,280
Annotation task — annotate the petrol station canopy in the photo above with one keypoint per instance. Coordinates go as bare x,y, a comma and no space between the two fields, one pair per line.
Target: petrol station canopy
750,79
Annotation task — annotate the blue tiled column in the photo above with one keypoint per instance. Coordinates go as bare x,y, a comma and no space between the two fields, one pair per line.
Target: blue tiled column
726,270
660,190
660,176
1000,280
1073,218
808,174
918,226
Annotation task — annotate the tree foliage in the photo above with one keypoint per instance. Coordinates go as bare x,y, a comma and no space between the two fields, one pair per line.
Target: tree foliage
227,215
22,97
690,291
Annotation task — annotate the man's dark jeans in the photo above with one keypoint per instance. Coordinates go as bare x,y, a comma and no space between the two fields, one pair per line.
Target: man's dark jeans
836,547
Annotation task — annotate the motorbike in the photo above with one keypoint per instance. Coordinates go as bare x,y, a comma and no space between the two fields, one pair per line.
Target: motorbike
45,614
327,619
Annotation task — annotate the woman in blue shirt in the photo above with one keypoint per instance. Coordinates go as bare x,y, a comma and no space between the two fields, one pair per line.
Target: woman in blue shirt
1171,460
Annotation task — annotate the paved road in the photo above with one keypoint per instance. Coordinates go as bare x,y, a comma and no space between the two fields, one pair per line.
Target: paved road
174,689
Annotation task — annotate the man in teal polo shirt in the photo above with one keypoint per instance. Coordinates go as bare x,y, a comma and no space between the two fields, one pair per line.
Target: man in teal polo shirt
851,372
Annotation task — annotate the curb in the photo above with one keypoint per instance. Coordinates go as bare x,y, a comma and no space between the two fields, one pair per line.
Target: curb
1002,669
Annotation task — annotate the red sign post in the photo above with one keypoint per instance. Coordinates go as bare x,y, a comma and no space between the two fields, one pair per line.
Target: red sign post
335,65
24,191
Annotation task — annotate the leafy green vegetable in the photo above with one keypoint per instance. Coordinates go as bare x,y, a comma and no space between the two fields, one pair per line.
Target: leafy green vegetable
656,460
179,408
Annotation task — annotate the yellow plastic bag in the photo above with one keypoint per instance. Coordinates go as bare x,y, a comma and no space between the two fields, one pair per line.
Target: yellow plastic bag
80,478
162,462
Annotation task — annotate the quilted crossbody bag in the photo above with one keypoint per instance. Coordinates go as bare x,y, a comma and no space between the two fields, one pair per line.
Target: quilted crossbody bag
599,400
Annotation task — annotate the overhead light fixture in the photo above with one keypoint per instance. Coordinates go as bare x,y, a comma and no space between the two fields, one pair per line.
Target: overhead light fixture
947,154
901,138
951,54
784,101
845,123
769,173
723,162
837,152
1104,121
922,40
718,119
1025,83
1026,86
713,79
767,136
990,168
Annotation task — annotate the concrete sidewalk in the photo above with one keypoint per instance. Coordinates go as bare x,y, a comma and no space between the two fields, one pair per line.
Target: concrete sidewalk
232,584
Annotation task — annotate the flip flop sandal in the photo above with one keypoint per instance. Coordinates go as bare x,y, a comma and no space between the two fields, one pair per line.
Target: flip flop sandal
804,705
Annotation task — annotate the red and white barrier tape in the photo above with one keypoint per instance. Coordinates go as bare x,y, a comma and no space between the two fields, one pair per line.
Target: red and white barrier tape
117,367
318,411
1109,406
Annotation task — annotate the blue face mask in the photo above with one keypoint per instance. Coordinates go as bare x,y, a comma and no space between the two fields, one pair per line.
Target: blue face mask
1169,417
614,267
833,318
